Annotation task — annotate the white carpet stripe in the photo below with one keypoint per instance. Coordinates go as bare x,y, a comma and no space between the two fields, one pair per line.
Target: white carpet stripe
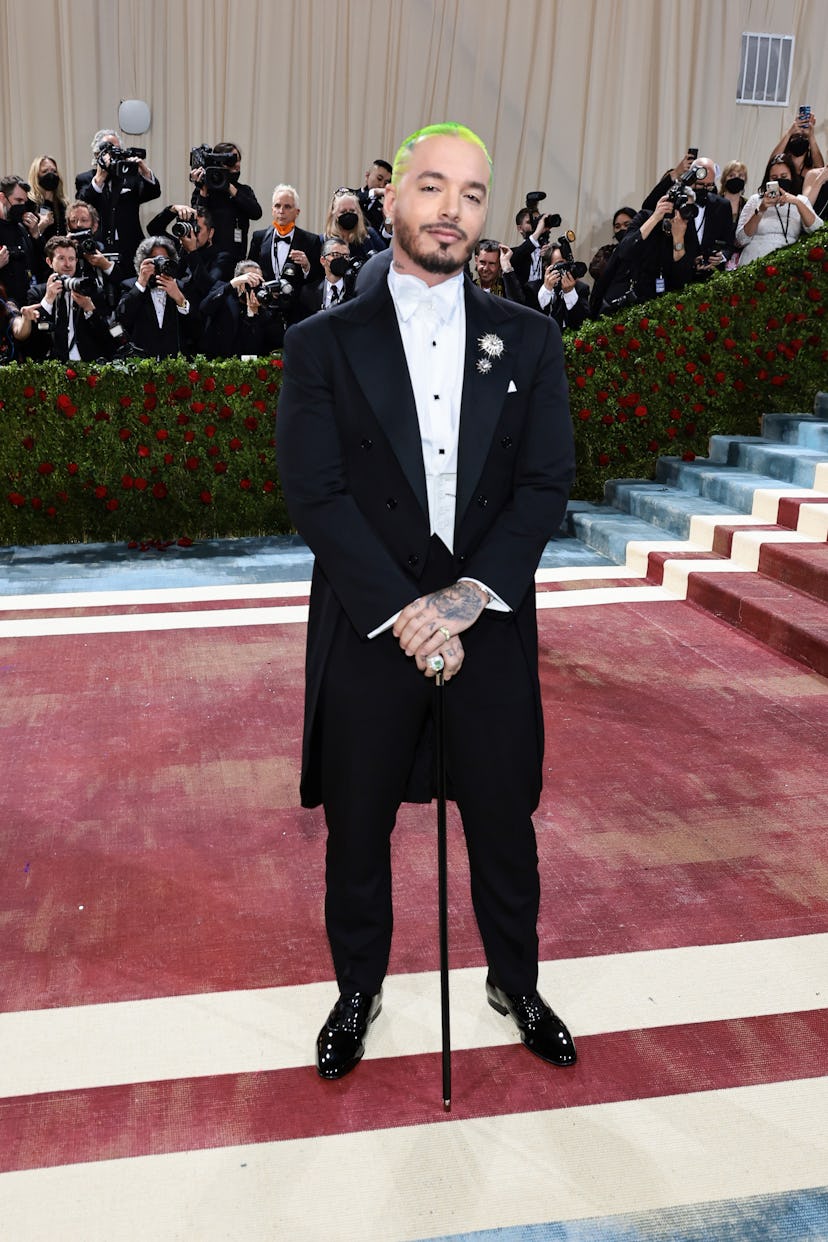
416,1182
813,521
158,595
275,1028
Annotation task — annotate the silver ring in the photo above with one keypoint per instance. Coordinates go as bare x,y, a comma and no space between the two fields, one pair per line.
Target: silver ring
446,633
436,663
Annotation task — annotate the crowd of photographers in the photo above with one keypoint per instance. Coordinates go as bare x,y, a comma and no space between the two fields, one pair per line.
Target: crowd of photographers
79,280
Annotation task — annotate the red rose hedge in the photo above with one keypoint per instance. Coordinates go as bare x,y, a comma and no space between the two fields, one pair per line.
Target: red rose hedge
154,452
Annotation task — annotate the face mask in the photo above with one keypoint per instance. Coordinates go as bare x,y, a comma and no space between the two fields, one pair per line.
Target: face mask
702,193
798,145
339,265
17,211
735,185
234,178
619,234
347,220
284,230
48,181
786,184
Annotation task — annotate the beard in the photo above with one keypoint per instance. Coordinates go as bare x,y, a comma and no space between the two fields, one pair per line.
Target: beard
440,262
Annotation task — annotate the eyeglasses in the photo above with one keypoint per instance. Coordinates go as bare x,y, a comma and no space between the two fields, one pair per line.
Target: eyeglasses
344,189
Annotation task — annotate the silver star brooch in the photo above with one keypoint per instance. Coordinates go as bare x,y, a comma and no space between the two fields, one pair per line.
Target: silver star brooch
490,345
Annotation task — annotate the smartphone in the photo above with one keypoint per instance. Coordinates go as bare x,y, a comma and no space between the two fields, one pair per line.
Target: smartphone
772,189
693,152
804,114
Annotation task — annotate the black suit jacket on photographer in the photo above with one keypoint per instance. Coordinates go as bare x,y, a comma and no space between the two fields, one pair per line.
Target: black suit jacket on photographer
564,316
718,225
231,215
230,332
91,332
118,205
137,316
261,252
16,276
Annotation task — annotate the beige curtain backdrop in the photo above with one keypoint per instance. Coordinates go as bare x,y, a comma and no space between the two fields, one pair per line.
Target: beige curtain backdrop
590,100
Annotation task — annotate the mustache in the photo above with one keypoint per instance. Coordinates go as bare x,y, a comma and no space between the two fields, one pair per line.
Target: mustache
459,234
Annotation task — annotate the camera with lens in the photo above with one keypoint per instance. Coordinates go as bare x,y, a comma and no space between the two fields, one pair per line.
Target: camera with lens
164,266
216,165
119,158
551,220
84,285
681,194
84,241
568,263
348,269
628,298
280,292
182,228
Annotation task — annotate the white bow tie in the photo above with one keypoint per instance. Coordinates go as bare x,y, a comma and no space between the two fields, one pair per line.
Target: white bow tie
437,302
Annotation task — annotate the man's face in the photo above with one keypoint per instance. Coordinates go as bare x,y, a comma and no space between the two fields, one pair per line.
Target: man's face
339,252
80,218
64,261
526,224
204,235
488,267
285,210
439,207
377,178
17,195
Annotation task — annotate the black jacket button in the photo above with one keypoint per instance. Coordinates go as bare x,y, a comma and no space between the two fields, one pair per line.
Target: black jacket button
366,443
390,503
482,501
506,442
413,559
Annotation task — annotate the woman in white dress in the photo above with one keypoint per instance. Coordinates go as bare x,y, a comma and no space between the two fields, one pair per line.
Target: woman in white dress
774,218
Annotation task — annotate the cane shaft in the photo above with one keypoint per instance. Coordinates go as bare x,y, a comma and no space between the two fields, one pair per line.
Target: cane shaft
442,888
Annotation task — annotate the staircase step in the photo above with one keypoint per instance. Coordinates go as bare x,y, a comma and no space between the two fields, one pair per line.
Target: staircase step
780,616
803,566
609,531
668,508
807,430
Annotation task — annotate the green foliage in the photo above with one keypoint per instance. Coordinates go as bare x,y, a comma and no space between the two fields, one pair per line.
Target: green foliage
141,451
149,451
712,359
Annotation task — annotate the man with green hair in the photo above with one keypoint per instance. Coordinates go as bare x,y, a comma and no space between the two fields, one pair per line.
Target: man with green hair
425,450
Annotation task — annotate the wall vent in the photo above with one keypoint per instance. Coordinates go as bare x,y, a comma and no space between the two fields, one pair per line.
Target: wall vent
765,69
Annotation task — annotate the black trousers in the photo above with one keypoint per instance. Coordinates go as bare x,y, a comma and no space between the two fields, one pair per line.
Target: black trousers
375,710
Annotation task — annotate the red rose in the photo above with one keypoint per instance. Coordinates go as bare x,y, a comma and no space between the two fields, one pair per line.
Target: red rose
27,392
102,416
641,411
643,324
816,253
814,294
192,376
245,485
64,402
688,455
28,443
235,444
143,450
125,402
127,481
268,486
603,459
36,502
260,405
184,542
140,484
220,467
112,505
192,463
150,403
245,389
159,491
149,387
45,467
653,446
580,381
189,436
720,377
229,389
583,415
251,422
209,384
168,459
690,367
210,431
770,270
206,497
182,419
162,434
672,432
72,467
607,420
619,329
197,407
16,499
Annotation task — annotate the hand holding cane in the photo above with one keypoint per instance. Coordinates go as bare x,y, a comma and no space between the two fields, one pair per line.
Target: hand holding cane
436,663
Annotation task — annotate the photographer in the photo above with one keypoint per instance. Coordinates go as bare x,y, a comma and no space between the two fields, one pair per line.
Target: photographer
494,272
337,284
775,216
271,248
72,309
116,187
192,232
15,328
562,294
155,311
712,238
83,224
527,258
241,317
215,172
17,253
651,258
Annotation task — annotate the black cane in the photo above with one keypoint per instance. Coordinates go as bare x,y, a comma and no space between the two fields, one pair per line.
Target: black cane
442,878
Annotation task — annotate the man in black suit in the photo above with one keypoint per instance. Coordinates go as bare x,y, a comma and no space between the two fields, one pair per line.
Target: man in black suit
74,318
272,248
711,233
425,449
239,318
231,203
371,196
334,288
116,188
155,311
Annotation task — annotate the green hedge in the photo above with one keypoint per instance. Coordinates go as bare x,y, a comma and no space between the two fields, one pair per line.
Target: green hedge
181,450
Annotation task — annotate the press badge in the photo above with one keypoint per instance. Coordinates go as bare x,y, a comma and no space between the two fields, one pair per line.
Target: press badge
237,235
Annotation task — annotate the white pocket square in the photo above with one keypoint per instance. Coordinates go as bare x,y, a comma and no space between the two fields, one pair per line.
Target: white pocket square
511,387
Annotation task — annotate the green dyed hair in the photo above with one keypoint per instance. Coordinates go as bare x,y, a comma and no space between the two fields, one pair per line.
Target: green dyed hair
452,128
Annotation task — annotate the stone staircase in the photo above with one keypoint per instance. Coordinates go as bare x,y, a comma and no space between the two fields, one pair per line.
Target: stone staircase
742,533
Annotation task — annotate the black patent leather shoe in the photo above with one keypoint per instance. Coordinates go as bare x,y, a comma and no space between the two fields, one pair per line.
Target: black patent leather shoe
541,1030
341,1042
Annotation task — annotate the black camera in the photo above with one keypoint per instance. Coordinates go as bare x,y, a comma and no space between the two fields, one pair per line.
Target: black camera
628,298
348,269
164,266
119,158
182,228
216,165
84,285
279,293
84,241
681,194
568,263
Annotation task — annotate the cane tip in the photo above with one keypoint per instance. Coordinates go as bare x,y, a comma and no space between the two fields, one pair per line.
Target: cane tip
447,1105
